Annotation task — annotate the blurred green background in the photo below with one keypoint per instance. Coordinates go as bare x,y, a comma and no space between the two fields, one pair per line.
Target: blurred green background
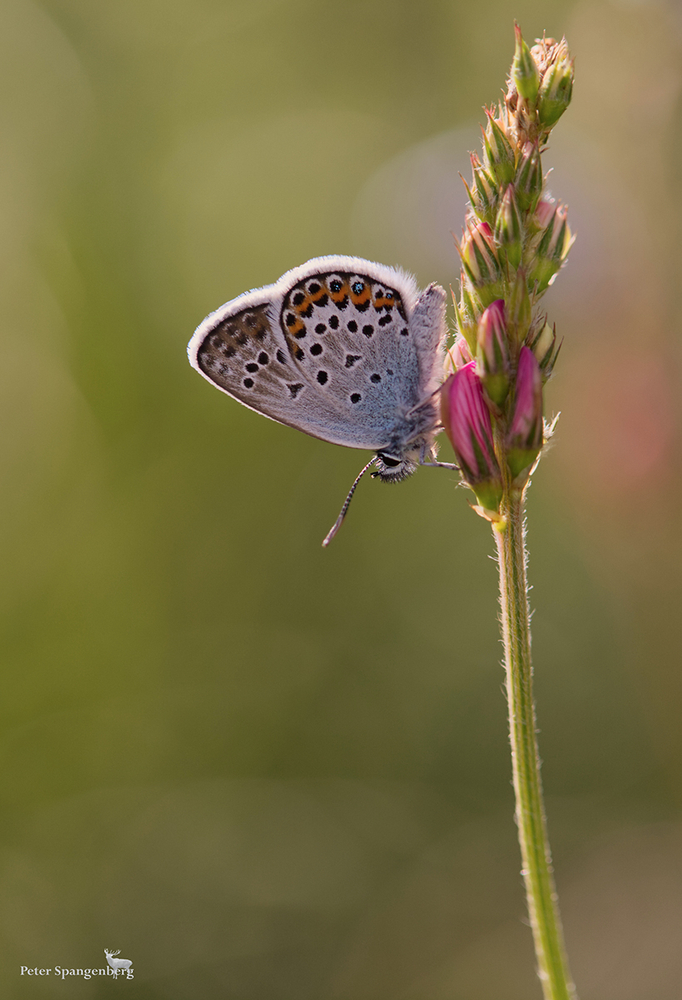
262,770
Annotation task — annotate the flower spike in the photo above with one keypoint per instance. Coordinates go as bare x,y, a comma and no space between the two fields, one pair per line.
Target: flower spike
516,240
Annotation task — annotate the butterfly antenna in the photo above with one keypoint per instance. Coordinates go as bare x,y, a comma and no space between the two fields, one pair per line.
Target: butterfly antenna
346,504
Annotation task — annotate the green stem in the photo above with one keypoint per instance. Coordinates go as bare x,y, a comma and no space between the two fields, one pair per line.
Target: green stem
538,876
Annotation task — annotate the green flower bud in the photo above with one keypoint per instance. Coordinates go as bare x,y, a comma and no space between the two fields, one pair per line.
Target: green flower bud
519,308
552,249
498,151
529,180
545,348
481,264
465,314
509,227
556,86
484,192
524,70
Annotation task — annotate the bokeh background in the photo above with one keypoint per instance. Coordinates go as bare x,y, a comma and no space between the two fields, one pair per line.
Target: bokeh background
262,770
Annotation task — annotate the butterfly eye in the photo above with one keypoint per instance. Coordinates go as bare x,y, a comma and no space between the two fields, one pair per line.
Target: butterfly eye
390,461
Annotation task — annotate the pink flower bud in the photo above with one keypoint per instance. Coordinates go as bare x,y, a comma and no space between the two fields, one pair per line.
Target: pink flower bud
525,437
467,423
459,354
544,212
493,352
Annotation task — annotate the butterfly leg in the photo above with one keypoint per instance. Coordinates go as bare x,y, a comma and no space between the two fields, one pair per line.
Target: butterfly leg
433,465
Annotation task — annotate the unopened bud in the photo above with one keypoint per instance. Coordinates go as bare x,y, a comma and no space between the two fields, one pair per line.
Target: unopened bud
480,262
484,192
556,86
545,348
519,311
499,152
529,180
552,249
509,228
525,437
524,70
492,355
467,311
466,419
544,211
458,356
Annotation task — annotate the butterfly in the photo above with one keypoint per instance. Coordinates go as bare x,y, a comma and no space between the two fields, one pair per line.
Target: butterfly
344,349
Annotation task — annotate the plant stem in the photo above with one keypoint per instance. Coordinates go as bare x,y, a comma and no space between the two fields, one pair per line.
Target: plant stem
537,872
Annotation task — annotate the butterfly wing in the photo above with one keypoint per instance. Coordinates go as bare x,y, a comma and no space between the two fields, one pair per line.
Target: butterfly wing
340,348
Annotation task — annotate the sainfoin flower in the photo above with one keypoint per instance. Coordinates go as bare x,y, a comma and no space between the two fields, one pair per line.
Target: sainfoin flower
525,437
466,419
515,241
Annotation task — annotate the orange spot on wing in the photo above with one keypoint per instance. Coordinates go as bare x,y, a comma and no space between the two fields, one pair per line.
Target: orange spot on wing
364,296
302,306
382,300
341,294
296,328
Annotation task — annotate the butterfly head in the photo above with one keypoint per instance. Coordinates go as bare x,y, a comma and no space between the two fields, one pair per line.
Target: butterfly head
392,466
410,444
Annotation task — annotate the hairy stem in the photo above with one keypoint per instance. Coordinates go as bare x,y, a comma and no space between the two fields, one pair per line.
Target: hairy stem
530,813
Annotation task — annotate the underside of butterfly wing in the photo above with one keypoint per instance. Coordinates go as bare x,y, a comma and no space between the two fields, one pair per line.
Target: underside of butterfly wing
338,352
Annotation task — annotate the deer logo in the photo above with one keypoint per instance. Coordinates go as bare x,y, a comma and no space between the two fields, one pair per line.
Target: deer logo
117,964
